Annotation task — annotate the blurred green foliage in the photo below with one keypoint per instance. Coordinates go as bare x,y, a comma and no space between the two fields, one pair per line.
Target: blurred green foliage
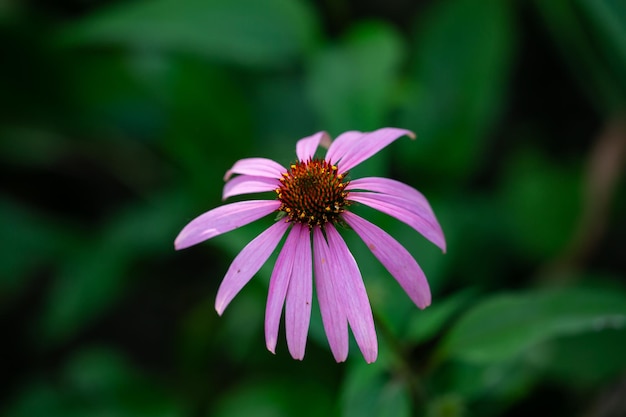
119,118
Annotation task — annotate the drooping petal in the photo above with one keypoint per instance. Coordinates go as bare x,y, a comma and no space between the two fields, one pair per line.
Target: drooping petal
413,199
299,294
305,148
390,187
341,144
260,167
394,257
370,144
419,219
245,184
279,282
333,314
247,263
223,219
352,295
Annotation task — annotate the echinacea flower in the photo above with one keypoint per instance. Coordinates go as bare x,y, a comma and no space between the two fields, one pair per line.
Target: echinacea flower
313,196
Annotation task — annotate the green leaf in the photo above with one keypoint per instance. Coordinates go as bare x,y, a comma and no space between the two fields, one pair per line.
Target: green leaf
590,36
473,224
369,391
247,32
30,147
608,26
463,52
450,405
95,382
542,201
494,386
350,84
505,326
203,134
95,274
274,397
586,360
29,239
609,19
426,324
282,115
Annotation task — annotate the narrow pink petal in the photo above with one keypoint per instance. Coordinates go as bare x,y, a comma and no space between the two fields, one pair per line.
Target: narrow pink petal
244,184
248,263
260,167
341,145
352,295
391,187
279,282
394,257
223,219
299,295
333,314
419,219
305,148
369,145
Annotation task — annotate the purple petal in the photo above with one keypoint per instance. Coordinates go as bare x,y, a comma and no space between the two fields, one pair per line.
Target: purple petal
391,187
299,294
260,167
419,219
279,282
305,148
223,219
244,184
369,145
341,145
248,263
333,314
394,257
352,295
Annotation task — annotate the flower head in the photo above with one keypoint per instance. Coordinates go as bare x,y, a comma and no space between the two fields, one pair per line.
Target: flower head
313,196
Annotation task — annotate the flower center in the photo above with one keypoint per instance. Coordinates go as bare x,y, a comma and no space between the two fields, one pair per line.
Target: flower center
313,192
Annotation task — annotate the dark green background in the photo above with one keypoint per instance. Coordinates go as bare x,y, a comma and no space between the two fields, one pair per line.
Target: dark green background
118,120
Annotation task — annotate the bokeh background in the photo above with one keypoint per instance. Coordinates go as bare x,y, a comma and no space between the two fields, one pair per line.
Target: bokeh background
119,118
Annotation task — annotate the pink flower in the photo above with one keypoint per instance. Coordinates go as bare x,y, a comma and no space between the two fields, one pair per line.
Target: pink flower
312,197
